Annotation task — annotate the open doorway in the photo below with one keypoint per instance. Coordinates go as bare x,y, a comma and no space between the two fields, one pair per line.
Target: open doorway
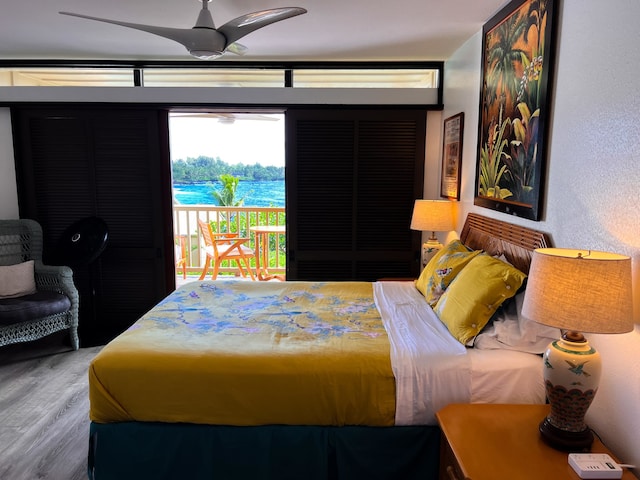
228,172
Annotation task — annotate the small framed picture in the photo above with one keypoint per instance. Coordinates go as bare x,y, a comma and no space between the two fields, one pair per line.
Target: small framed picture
451,157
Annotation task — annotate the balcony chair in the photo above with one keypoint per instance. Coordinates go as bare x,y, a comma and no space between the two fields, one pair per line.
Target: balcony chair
36,300
181,254
224,246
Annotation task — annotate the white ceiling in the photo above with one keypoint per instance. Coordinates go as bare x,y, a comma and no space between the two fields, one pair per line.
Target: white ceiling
335,30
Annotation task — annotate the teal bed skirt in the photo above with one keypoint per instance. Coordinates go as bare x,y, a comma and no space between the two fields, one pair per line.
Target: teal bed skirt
140,451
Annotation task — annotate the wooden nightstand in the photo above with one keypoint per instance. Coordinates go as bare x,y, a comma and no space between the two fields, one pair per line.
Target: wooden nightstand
495,442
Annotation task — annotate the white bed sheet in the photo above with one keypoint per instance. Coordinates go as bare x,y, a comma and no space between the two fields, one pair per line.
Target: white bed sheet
432,369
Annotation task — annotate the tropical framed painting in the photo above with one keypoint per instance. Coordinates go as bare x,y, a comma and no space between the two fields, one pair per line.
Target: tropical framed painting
451,157
518,54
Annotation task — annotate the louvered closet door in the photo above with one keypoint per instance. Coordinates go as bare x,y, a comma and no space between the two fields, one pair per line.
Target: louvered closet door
73,164
352,178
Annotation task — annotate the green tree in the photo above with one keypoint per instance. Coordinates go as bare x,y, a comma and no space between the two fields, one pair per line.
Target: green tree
207,169
227,196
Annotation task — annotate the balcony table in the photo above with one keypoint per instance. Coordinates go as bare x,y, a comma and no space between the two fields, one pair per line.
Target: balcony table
262,249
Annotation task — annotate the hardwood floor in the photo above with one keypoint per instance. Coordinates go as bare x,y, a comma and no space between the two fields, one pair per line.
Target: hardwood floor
44,410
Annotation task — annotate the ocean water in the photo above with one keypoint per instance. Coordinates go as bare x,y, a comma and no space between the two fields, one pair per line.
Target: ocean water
255,194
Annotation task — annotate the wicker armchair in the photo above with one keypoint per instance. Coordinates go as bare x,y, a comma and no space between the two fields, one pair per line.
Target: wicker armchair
21,241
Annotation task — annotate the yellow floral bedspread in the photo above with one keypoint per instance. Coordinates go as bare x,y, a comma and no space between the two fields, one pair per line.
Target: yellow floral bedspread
250,353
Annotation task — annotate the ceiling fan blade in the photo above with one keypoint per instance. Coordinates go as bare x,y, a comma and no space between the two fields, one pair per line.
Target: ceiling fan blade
239,27
194,39
224,117
179,35
237,48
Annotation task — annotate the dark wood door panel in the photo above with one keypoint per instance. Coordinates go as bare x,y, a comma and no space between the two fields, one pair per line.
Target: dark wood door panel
109,163
352,178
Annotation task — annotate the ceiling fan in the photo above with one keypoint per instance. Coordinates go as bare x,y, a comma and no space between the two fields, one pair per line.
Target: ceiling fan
204,40
226,117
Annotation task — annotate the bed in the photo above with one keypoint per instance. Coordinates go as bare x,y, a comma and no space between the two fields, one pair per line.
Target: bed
316,380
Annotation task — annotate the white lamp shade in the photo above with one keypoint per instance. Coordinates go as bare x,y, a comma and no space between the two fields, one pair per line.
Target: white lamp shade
432,215
580,290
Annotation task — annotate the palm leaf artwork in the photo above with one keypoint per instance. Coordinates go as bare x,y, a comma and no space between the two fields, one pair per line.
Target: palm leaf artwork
521,162
513,95
504,57
492,167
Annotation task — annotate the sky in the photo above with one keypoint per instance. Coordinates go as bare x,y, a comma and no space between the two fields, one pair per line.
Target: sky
246,141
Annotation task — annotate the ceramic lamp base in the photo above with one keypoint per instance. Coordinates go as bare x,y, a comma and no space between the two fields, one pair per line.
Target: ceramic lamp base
574,442
430,248
572,371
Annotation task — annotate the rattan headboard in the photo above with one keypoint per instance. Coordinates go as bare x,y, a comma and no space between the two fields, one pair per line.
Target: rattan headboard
497,237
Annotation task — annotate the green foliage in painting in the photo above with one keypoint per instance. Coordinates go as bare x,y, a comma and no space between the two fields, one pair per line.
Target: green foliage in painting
512,94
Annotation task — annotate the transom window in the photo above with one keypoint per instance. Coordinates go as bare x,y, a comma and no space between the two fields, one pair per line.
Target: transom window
319,75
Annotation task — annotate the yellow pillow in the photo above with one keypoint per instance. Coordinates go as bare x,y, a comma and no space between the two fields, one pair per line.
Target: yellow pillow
475,294
442,269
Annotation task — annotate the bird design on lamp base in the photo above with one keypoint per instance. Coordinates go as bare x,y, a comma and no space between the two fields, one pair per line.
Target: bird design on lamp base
570,390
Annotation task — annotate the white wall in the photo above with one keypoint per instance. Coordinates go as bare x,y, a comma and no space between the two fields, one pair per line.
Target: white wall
8,192
593,175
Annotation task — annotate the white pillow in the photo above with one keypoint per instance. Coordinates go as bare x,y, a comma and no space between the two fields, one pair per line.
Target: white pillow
511,331
17,280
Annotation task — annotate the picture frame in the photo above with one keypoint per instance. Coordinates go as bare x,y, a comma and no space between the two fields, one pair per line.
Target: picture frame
518,57
453,129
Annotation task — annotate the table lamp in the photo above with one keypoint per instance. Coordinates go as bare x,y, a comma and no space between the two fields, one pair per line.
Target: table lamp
434,216
576,291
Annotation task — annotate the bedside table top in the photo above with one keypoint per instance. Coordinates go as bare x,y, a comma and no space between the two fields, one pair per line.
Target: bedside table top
503,442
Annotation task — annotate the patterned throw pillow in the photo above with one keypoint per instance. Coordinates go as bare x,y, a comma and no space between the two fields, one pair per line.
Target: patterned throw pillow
475,294
442,269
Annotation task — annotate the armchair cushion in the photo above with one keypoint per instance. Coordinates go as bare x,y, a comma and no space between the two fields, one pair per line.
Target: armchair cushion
17,280
37,305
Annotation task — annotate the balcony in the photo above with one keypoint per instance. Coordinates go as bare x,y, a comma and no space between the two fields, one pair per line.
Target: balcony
227,219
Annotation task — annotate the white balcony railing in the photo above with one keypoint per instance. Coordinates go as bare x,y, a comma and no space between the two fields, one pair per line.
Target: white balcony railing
229,219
